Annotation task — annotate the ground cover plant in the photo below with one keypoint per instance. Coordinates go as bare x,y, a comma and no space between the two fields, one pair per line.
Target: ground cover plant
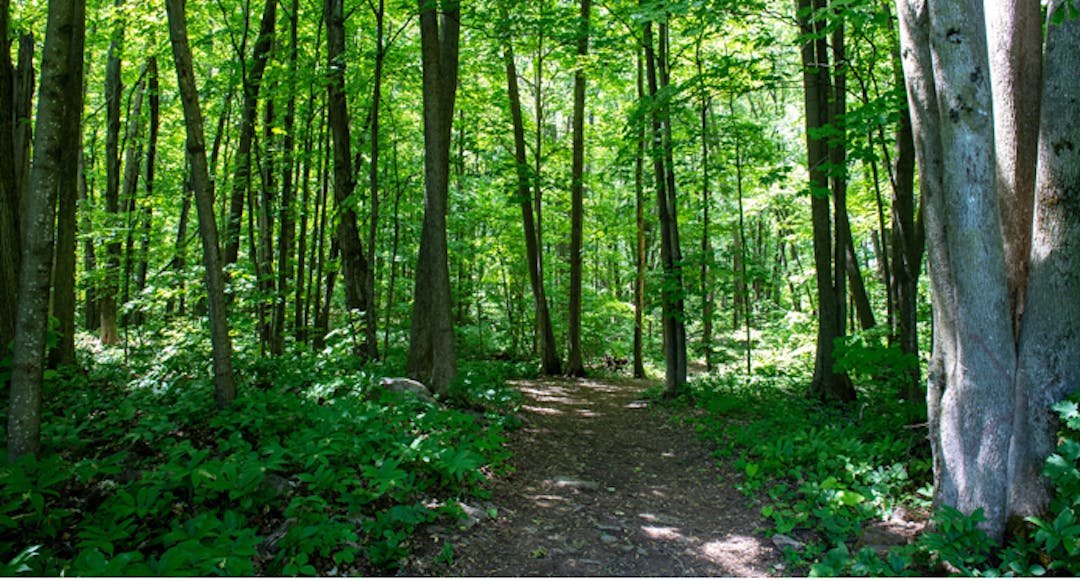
313,470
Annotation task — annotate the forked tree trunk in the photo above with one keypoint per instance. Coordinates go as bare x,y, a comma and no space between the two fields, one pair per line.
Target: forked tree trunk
224,384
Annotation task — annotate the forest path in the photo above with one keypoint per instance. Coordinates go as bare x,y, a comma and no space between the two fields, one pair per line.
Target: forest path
605,484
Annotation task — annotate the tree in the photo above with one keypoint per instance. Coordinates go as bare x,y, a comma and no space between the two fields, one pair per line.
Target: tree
995,372
224,383
549,355
827,382
10,243
672,291
575,365
109,333
63,40
431,338
354,265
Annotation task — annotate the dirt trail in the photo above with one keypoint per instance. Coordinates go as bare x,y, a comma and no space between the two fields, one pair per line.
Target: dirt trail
605,485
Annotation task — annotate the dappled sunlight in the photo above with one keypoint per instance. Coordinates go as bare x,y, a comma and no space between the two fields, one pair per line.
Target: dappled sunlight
731,552
662,533
542,410
546,500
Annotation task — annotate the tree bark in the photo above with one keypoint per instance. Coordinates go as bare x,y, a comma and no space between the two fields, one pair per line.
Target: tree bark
10,239
575,365
63,300
431,340
224,384
639,211
353,263
252,81
109,334
672,290
827,383
549,355
1050,337
63,41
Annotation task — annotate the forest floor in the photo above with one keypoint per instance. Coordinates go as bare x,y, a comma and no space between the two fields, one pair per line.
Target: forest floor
605,484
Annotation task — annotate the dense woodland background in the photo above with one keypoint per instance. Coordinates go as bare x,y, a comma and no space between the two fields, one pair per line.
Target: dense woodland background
469,192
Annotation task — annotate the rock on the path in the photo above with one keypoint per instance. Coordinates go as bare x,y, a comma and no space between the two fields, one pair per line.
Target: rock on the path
608,539
782,541
404,385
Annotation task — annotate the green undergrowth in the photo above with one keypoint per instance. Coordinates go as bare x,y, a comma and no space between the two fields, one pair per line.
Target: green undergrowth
823,474
312,470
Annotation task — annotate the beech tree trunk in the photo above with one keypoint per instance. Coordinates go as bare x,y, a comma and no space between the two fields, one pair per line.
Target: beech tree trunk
994,372
224,383
431,339
575,365
63,41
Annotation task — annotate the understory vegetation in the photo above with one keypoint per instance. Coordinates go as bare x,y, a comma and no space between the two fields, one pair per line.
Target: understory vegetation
822,474
313,470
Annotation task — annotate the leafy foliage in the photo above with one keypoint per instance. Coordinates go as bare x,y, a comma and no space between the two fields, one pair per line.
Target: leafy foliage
313,469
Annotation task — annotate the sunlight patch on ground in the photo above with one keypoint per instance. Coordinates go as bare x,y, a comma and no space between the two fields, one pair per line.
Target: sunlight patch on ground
662,533
637,405
732,552
547,500
542,410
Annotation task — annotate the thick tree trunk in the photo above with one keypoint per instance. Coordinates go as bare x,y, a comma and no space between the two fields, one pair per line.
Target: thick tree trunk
431,339
1014,34
970,387
575,365
1050,337
549,355
224,384
63,41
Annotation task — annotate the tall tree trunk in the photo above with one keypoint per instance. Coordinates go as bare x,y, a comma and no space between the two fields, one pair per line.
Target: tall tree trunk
132,163
353,262
672,290
68,194
431,339
64,36
224,384
549,355
153,93
827,383
371,313
1014,32
708,296
575,365
1049,348
109,334
252,81
10,240
639,211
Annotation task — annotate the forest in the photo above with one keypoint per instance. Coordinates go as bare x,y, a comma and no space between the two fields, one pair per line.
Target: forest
558,287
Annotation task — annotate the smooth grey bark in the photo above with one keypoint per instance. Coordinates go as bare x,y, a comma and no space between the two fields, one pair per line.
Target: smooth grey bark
432,359
1014,34
62,41
224,383
575,364
1050,336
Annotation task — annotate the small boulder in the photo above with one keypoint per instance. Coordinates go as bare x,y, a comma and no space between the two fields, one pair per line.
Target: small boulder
782,541
404,385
